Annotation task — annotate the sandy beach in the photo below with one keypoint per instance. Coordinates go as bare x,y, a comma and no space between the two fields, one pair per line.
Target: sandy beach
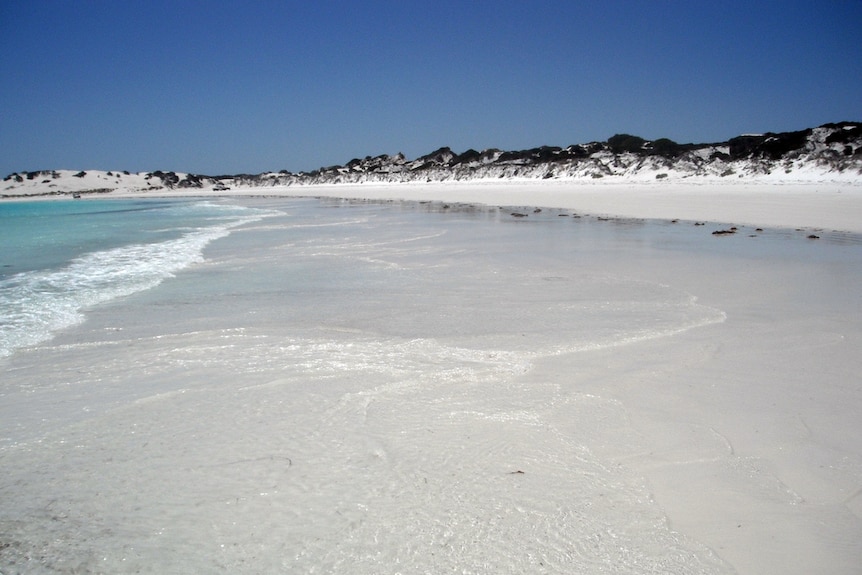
418,288
599,386
819,202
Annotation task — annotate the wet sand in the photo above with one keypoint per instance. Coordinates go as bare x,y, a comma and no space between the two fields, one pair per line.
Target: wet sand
434,397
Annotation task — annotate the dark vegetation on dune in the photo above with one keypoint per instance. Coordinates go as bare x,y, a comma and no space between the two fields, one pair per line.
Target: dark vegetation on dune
831,148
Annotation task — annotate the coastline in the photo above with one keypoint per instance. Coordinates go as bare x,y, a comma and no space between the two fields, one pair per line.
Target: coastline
744,429
815,203
818,205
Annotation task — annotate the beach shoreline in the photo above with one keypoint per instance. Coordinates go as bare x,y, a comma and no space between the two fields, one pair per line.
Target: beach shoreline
742,423
809,205
818,203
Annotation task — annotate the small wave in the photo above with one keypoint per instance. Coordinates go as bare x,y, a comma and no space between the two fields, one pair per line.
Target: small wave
36,304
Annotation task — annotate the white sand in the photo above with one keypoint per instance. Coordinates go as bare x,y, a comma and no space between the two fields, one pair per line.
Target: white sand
819,203
801,199
744,430
753,444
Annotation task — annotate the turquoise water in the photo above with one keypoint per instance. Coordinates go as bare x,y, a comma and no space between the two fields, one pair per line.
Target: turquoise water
60,257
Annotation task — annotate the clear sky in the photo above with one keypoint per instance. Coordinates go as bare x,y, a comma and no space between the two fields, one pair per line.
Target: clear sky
222,87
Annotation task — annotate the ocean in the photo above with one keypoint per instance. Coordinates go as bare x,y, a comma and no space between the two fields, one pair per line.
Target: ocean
61,257
334,386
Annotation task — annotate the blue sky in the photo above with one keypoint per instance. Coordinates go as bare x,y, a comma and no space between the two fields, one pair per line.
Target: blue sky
227,87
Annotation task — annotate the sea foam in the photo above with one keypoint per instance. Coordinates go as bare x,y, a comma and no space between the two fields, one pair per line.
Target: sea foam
35,304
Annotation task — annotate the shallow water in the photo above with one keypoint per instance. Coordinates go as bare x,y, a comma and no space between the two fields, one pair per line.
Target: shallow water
60,257
350,387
